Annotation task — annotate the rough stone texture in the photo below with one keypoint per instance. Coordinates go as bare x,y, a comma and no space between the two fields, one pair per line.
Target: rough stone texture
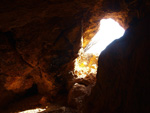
38,42
80,90
76,95
123,11
123,79
40,39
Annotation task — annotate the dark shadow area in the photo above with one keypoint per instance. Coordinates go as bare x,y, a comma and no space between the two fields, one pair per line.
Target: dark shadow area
23,101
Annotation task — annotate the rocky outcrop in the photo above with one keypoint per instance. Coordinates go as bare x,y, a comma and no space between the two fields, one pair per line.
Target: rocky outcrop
39,41
123,74
80,89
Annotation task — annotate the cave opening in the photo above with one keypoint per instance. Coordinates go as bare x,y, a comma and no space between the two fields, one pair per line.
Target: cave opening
87,61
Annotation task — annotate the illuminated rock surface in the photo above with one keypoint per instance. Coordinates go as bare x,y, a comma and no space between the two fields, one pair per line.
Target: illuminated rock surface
39,41
123,74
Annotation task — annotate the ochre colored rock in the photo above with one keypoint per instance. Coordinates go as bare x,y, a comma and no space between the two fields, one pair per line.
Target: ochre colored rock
39,41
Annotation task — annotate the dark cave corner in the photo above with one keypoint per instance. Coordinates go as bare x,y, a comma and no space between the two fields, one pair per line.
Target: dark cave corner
40,41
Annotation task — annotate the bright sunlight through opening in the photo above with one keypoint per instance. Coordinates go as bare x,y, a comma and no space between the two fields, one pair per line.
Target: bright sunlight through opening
86,63
37,110
108,32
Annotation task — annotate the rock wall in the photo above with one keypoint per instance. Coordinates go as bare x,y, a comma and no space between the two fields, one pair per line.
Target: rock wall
38,43
40,39
123,79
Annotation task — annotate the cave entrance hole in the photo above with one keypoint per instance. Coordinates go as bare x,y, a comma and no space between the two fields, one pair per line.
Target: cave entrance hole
87,61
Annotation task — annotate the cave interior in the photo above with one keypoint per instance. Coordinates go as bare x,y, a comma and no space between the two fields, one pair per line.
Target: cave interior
45,66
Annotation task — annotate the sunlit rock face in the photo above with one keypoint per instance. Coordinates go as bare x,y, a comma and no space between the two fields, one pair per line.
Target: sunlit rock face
39,40
123,74
86,63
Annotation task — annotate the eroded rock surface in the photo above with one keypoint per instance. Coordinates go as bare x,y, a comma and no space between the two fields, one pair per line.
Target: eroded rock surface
39,41
123,74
